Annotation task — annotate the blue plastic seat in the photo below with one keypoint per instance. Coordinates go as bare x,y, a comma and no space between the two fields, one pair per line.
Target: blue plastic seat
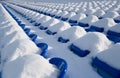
19,22
117,21
72,21
44,48
61,64
113,36
50,32
104,69
37,24
33,37
64,19
43,28
95,28
83,24
57,17
78,51
22,26
27,31
63,40
32,21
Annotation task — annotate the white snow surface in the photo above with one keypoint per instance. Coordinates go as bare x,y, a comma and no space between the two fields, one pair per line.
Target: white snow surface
111,56
116,28
29,66
105,23
59,27
95,42
72,33
50,22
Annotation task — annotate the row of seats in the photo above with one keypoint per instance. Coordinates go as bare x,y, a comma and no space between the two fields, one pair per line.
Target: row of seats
106,25
60,63
82,49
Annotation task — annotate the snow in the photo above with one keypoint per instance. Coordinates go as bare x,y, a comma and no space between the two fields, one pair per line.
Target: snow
116,28
50,22
69,15
99,13
111,14
59,27
72,33
112,52
27,63
105,23
78,16
95,42
90,19
18,48
29,66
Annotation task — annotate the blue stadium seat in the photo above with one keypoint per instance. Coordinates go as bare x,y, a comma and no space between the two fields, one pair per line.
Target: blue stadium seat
22,26
50,32
94,28
37,24
43,28
33,37
61,64
63,40
44,48
78,51
104,69
83,24
64,19
113,36
27,31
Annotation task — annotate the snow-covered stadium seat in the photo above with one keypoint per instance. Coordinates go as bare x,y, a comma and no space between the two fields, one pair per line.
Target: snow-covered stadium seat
107,62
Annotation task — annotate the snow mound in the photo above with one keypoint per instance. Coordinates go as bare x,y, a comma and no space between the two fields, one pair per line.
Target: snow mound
61,26
111,14
90,19
116,28
112,52
29,66
105,23
50,22
95,42
78,17
44,19
99,13
69,15
18,48
72,33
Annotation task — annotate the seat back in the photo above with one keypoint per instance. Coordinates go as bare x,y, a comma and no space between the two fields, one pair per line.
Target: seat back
61,64
43,47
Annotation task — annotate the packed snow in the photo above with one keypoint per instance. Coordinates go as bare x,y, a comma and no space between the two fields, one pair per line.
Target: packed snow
20,53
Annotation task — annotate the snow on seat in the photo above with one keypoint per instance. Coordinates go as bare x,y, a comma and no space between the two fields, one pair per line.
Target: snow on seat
99,13
62,14
31,65
89,11
49,23
33,37
17,48
71,34
107,62
92,42
27,31
43,47
77,17
86,22
68,16
111,14
102,25
37,21
117,19
44,19
59,27
61,64
114,33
